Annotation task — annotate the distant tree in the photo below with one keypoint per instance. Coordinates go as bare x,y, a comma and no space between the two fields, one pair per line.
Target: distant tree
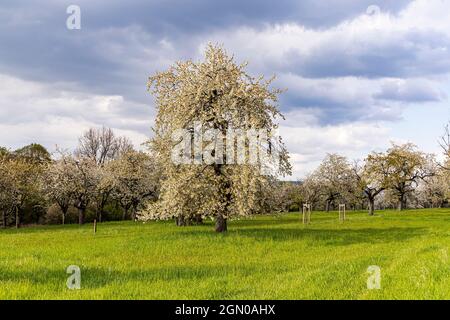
311,190
386,199
34,152
335,177
435,191
4,152
20,184
404,166
102,145
135,179
83,175
282,196
6,180
220,95
58,186
294,195
372,178
444,142
103,189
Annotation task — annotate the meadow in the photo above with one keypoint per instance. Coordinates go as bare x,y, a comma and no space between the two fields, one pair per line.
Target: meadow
266,257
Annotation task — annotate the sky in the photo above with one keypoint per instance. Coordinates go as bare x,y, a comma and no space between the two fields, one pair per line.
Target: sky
359,74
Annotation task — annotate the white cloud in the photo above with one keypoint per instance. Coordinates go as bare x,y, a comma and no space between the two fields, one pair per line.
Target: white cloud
34,112
308,144
414,42
345,99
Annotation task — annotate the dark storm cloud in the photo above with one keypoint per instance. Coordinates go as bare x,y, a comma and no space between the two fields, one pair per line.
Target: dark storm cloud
414,54
36,44
122,42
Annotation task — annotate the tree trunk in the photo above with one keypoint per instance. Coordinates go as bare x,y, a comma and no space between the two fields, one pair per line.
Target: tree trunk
198,219
64,209
133,213
81,215
221,223
327,206
180,221
125,213
371,206
4,218
401,202
17,218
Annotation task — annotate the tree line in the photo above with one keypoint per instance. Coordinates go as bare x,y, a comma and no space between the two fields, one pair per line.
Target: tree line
105,178
104,171
400,177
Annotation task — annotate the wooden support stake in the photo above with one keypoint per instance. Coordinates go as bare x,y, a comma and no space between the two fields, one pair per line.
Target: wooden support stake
95,226
342,212
306,213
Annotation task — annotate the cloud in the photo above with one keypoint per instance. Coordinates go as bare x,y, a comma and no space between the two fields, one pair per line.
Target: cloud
51,115
346,99
309,144
412,43
410,90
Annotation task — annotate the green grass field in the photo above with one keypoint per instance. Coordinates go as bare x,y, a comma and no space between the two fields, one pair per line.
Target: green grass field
268,257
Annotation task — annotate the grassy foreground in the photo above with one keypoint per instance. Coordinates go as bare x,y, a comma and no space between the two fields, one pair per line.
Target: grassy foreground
268,257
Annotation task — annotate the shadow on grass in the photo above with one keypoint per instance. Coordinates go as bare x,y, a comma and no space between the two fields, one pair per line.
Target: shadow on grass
272,221
87,227
92,278
325,236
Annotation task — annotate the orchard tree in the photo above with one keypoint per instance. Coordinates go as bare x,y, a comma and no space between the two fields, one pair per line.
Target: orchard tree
311,190
104,177
386,199
35,153
218,94
435,191
102,145
372,178
444,142
58,185
4,152
21,182
294,195
135,179
335,176
283,195
6,181
83,174
404,167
